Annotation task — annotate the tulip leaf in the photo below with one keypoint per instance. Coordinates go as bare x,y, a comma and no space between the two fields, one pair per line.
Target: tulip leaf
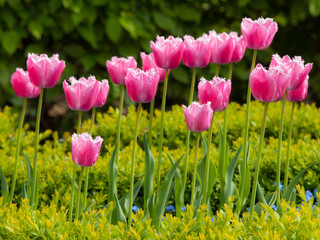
288,194
222,162
29,176
230,187
152,207
113,173
124,201
179,199
119,216
261,194
70,178
148,172
165,188
269,199
4,186
93,202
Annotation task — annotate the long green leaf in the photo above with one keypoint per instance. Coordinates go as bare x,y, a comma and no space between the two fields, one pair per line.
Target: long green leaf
221,161
165,188
124,201
29,176
152,207
119,216
70,178
113,174
288,194
230,188
148,173
178,187
4,187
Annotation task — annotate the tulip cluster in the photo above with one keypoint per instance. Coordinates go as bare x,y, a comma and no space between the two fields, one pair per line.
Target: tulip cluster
286,79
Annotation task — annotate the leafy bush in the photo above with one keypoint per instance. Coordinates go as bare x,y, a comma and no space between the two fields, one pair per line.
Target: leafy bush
55,152
51,223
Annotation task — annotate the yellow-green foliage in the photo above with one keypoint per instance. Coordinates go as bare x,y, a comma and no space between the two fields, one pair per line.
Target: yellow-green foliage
55,151
51,223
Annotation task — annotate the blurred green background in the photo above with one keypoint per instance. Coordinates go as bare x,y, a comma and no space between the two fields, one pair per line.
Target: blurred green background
86,33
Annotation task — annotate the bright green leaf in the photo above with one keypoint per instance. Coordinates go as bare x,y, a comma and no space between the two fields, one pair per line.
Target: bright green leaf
113,29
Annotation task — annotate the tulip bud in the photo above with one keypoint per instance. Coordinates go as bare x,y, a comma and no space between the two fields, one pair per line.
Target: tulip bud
118,68
22,85
198,117
299,94
102,94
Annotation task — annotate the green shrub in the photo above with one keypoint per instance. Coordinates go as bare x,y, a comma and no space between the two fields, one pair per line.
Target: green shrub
55,152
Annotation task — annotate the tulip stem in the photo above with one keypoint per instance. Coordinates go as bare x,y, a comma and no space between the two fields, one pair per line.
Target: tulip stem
150,123
79,191
132,164
119,123
163,107
244,164
74,171
195,170
193,80
288,150
217,70
86,182
206,174
34,180
257,168
23,112
283,107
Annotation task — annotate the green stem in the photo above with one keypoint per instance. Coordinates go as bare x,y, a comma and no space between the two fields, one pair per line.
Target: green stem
217,70
132,164
119,123
74,171
244,165
257,168
206,174
186,163
288,150
23,112
195,170
86,183
283,107
150,123
163,107
79,191
34,180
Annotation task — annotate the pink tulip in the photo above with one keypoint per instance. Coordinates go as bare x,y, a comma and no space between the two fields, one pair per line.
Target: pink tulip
240,47
217,91
85,150
102,94
148,62
22,85
259,33
196,53
142,86
81,94
118,68
167,52
198,117
44,72
295,68
222,48
299,94
268,85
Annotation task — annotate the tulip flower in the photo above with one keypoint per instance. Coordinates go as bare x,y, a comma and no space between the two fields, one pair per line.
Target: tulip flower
268,85
148,62
240,47
222,48
82,94
167,52
142,86
198,117
44,72
118,68
24,88
294,96
85,152
196,53
217,91
22,85
259,33
295,67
